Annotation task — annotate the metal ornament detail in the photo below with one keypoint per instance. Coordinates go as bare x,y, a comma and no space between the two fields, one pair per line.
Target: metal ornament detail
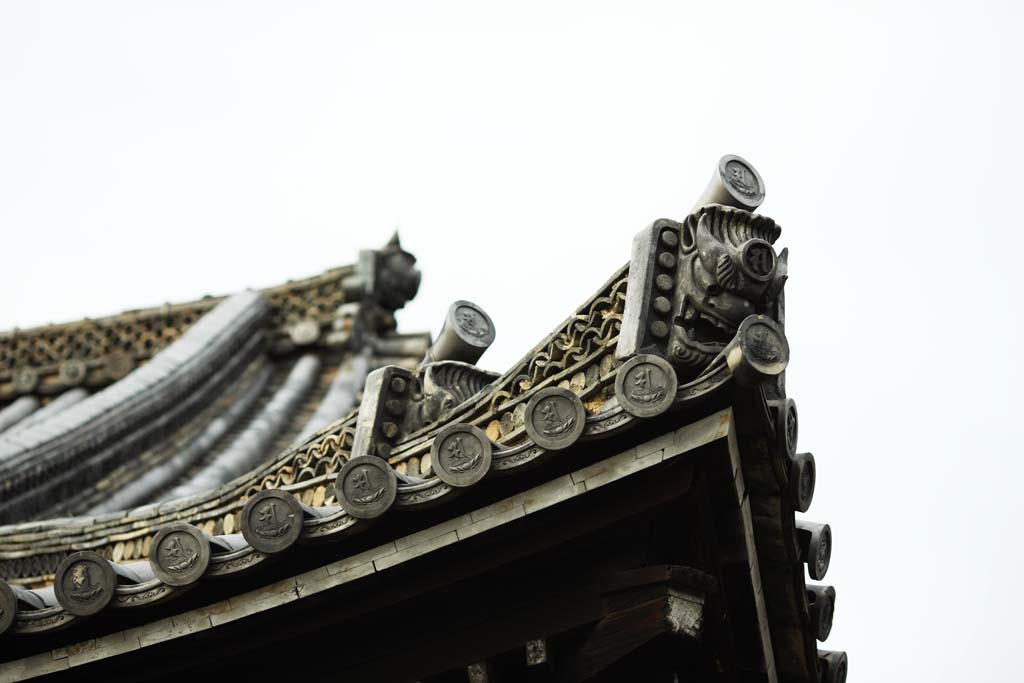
461,455
272,521
366,487
179,554
646,386
759,351
554,418
84,583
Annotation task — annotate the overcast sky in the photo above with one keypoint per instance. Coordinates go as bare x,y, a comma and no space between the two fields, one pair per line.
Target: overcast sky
154,152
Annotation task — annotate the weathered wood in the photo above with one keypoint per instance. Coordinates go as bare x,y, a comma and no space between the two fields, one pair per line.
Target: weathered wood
537,577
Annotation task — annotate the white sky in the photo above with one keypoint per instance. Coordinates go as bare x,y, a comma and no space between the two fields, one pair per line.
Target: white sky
154,152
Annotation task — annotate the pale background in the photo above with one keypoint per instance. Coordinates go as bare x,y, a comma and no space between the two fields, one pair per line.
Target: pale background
154,152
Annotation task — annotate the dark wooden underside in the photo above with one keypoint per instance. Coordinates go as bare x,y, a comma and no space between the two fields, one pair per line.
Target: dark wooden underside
593,578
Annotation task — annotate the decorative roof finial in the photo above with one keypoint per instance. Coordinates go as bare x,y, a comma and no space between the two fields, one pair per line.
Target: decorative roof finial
735,183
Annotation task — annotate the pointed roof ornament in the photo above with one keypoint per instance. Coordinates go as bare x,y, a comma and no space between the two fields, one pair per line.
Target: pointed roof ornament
394,243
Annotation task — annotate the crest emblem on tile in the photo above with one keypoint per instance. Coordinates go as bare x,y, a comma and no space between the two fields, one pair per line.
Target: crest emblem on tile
84,583
72,372
461,455
180,554
646,386
272,521
366,486
554,418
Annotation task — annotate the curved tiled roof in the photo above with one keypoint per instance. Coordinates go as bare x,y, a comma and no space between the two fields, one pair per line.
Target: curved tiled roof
245,379
216,487
76,444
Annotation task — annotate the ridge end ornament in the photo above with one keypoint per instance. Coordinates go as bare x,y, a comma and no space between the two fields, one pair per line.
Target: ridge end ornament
466,334
461,455
180,554
646,385
272,521
386,395
759,351
366,487
84,583
735,182
554,418
693,283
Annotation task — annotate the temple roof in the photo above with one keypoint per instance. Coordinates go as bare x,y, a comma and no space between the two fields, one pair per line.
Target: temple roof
269,422
104,415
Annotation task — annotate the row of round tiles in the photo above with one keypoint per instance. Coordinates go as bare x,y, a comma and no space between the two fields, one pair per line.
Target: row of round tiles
367,486
461,453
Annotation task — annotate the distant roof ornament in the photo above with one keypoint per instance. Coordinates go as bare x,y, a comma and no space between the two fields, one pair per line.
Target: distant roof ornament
388,275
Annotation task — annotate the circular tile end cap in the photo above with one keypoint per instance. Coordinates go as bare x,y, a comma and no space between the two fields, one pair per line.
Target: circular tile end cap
72,372
84,583
555,418
8,606
759,351
836,665
272,521
789,426
304,332
118,364
646,386
471,323
823,612
741,180
821,552
179,554
26,380
461,455
366,486
802,479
